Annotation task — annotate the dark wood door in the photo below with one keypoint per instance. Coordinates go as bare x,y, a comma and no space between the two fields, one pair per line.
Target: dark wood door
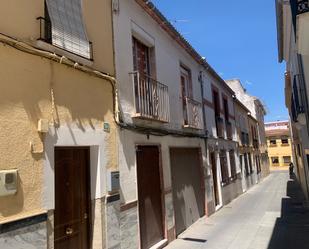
214,175
149,196
188,190
72,198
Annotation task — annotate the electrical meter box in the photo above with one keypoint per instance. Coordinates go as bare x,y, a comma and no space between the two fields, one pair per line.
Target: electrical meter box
113,183
8,182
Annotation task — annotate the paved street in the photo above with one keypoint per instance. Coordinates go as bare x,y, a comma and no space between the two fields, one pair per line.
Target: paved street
271,215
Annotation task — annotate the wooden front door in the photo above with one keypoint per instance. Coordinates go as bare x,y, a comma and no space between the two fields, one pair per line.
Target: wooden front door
149,196
72,198
214,175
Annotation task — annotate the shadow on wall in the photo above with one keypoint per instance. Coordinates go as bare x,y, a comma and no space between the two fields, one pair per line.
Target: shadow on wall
81,102
292,228
16,201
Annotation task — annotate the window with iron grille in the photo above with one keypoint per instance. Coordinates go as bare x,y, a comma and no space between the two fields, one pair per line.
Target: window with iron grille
64,27
224,167
246,164
275,160
233,164
250,163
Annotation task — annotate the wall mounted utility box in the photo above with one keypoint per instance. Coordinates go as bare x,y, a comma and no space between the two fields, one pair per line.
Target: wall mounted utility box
43,125
113,181
8,182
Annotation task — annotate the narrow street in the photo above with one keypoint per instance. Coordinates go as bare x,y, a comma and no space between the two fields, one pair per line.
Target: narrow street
270,215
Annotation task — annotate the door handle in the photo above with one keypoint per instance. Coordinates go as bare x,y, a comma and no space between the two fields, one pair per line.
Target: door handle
69,231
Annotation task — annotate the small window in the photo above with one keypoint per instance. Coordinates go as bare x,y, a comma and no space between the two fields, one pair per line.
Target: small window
275,160
273,142
286,159
285,141
64,27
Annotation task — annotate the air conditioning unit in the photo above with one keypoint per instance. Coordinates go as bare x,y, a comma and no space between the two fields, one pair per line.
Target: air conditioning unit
8,182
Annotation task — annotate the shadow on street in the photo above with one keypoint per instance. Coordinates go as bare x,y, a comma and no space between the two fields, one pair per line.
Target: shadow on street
291,230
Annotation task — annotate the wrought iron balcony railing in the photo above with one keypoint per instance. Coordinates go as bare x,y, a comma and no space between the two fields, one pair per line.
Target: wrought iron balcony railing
151,99
193,114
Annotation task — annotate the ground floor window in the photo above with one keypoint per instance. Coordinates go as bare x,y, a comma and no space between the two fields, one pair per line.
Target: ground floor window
286,159
224,169
275,160
250,163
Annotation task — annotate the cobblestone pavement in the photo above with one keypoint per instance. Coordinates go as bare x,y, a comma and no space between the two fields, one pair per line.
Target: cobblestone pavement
271,215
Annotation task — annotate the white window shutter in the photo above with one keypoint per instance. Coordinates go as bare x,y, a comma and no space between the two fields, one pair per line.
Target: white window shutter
68,30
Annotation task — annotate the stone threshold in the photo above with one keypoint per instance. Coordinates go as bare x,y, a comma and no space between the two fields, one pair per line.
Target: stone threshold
23,222
160,244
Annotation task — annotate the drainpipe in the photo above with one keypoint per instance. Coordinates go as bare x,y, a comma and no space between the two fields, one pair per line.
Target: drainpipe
200,79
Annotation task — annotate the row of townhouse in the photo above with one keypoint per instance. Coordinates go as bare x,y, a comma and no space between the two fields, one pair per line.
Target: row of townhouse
293,48
114,131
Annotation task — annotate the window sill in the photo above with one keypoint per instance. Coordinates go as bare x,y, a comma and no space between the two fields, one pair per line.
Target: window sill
41,44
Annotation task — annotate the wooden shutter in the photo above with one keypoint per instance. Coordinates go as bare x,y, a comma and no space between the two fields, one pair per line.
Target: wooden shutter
68,30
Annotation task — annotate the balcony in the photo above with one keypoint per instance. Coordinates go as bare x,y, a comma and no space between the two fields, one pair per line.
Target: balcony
220,127
151,99
192,114
229,131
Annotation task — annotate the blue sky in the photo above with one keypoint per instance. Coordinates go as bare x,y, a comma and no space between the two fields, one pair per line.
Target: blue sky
239,40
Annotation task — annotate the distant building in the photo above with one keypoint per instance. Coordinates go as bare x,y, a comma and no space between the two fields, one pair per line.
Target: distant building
279,143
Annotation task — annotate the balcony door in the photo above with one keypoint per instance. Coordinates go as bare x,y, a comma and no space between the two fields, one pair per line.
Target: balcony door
143,87
186,90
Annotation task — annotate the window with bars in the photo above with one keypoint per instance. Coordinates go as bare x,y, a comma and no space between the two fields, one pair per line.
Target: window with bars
250,163
246,165
224,167
233,164
64,28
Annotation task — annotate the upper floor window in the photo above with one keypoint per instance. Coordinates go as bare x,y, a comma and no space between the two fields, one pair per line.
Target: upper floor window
186,82
226,109
151,99
192,109
141,60
284,141
272,142
216,103
64,27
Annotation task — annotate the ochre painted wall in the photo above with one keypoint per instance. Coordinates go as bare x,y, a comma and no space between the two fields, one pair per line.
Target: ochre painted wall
18,20
81,100
279,151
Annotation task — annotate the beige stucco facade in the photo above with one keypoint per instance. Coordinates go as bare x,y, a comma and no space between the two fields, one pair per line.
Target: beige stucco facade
74,95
